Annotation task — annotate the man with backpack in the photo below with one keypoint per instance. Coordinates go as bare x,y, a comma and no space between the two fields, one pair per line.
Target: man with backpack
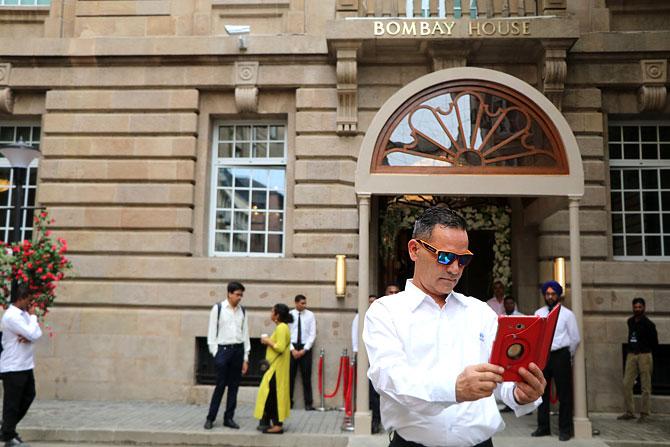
228,341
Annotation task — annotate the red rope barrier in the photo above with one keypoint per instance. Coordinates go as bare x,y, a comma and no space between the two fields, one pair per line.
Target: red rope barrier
339,377
345,375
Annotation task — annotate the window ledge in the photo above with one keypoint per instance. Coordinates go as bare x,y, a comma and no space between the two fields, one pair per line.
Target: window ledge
250,3
24,14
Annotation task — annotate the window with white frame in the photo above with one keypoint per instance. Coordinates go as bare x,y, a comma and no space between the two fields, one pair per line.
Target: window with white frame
25,2
13,133
248,189
639,154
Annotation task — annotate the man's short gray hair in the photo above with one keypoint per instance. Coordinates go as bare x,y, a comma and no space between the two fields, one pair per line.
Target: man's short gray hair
437,215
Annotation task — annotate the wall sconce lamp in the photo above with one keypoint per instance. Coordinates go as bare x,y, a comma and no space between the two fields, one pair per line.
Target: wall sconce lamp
242,31
559,271
340,276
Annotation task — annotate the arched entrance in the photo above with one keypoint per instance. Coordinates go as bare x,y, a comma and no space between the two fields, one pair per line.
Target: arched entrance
471,132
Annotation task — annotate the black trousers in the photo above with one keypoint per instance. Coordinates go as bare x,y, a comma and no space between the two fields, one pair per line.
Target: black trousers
373,398
19,393
399,441
559,367
271,412
228,363
304,364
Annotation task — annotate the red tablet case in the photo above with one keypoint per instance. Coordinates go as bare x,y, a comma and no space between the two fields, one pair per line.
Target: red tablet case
532,335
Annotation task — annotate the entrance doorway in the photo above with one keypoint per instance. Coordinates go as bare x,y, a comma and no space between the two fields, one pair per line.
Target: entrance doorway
396,218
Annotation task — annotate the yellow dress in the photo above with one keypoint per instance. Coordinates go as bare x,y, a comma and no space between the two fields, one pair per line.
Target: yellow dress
280,362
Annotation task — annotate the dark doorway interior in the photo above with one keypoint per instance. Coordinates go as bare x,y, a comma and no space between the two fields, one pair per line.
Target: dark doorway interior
477,279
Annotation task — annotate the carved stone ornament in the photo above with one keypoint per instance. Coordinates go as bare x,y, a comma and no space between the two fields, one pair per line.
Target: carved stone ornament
6,100
347,89
246,99
4,74
246,92
554,72
653,93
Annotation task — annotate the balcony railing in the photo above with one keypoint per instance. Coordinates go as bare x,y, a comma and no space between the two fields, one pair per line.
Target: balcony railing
447,8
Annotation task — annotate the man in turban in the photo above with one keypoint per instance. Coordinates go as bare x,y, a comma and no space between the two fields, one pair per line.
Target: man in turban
559,365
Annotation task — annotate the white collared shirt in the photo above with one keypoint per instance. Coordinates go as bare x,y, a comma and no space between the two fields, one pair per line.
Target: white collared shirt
567,333
417,350
308,331
17,355
354,334
233,328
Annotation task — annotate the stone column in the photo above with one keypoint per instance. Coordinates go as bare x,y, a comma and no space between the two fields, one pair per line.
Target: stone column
581,420
362,417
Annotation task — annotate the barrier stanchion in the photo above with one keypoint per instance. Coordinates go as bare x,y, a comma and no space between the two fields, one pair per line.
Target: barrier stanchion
349,392
322,400
343,377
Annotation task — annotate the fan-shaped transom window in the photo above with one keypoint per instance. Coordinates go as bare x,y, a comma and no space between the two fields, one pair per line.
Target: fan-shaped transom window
469,127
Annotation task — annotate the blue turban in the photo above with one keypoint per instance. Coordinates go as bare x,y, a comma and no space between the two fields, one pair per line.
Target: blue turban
554,285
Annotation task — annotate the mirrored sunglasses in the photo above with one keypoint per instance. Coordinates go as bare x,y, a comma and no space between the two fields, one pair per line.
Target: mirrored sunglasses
448,257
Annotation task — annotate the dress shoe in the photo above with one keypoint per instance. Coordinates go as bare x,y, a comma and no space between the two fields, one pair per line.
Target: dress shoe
540,432
626,417
376,427
263,424
644,417
16,442
231,424
208,424
274,430
564,436
309,408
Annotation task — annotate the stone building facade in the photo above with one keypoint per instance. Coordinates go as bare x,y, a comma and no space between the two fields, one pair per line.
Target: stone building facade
178,156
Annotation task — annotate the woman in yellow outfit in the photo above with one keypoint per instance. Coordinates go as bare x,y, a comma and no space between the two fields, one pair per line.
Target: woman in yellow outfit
273,403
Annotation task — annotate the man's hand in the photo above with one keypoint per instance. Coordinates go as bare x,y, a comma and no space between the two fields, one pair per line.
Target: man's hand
23,339
245,367
478,381
532,387
296,354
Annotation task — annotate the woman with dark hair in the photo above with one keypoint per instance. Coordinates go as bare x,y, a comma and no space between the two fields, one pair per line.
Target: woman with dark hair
273,403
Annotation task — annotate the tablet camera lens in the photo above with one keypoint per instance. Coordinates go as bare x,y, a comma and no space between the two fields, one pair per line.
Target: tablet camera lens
515,351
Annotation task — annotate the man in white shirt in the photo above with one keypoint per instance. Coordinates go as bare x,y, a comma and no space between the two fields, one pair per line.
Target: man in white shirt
303,335
228,341
20,330
559,365
497,301
429,346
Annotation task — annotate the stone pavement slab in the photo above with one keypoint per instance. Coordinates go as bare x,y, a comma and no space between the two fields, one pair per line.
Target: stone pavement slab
93,422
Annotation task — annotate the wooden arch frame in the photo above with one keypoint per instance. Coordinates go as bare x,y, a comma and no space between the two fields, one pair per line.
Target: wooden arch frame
477,89
510,182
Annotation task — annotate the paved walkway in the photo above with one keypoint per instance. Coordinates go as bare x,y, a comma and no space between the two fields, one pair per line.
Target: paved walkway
89,422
